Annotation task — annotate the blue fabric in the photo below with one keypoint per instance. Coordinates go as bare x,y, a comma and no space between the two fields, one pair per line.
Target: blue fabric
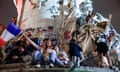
55,60
37,55
103,35
101,38
9,49
52,57
13,29
58,62
37,41
76,50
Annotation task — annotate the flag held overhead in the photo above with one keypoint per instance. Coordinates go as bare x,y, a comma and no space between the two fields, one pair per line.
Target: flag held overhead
13,29
2,42
10,32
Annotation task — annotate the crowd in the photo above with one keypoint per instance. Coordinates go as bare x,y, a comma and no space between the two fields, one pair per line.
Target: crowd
40,47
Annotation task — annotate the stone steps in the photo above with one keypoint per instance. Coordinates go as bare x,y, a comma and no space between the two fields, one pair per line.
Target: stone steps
21,68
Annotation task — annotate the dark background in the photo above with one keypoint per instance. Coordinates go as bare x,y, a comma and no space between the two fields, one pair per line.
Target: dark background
8,10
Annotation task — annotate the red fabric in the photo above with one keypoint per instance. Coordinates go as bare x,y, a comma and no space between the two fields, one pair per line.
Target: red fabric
2,42
67,34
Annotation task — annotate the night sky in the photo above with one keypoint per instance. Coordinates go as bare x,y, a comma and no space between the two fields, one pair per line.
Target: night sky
8,10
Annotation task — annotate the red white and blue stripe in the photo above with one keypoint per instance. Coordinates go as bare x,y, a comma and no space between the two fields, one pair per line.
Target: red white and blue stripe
10,32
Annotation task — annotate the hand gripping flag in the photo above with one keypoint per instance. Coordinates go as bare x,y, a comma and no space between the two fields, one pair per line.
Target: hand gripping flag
10,32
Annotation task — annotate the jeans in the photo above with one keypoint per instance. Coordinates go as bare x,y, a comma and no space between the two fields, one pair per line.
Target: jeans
36,56
55,60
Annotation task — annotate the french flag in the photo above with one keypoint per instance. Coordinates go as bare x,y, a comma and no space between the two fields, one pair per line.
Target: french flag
10,32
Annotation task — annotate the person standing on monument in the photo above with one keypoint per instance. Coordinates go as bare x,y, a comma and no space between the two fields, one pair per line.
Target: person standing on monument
102,47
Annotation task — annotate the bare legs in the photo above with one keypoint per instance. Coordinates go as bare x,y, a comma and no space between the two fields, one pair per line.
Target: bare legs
108,59
100,59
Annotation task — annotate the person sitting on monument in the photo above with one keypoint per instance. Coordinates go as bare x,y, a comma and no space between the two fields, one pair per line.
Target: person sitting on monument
33,47
17,54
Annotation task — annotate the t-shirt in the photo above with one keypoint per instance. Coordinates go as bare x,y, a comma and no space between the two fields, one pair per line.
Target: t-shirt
101,38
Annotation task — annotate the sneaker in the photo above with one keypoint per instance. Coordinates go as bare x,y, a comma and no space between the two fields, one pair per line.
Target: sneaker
51,65
38,66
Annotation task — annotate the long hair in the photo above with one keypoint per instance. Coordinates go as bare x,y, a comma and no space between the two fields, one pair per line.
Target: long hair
45,47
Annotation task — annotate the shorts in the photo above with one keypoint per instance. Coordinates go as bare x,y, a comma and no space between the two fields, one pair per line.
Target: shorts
102,48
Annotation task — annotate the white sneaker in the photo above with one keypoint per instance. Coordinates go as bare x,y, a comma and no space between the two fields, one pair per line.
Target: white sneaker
37,65
51,65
